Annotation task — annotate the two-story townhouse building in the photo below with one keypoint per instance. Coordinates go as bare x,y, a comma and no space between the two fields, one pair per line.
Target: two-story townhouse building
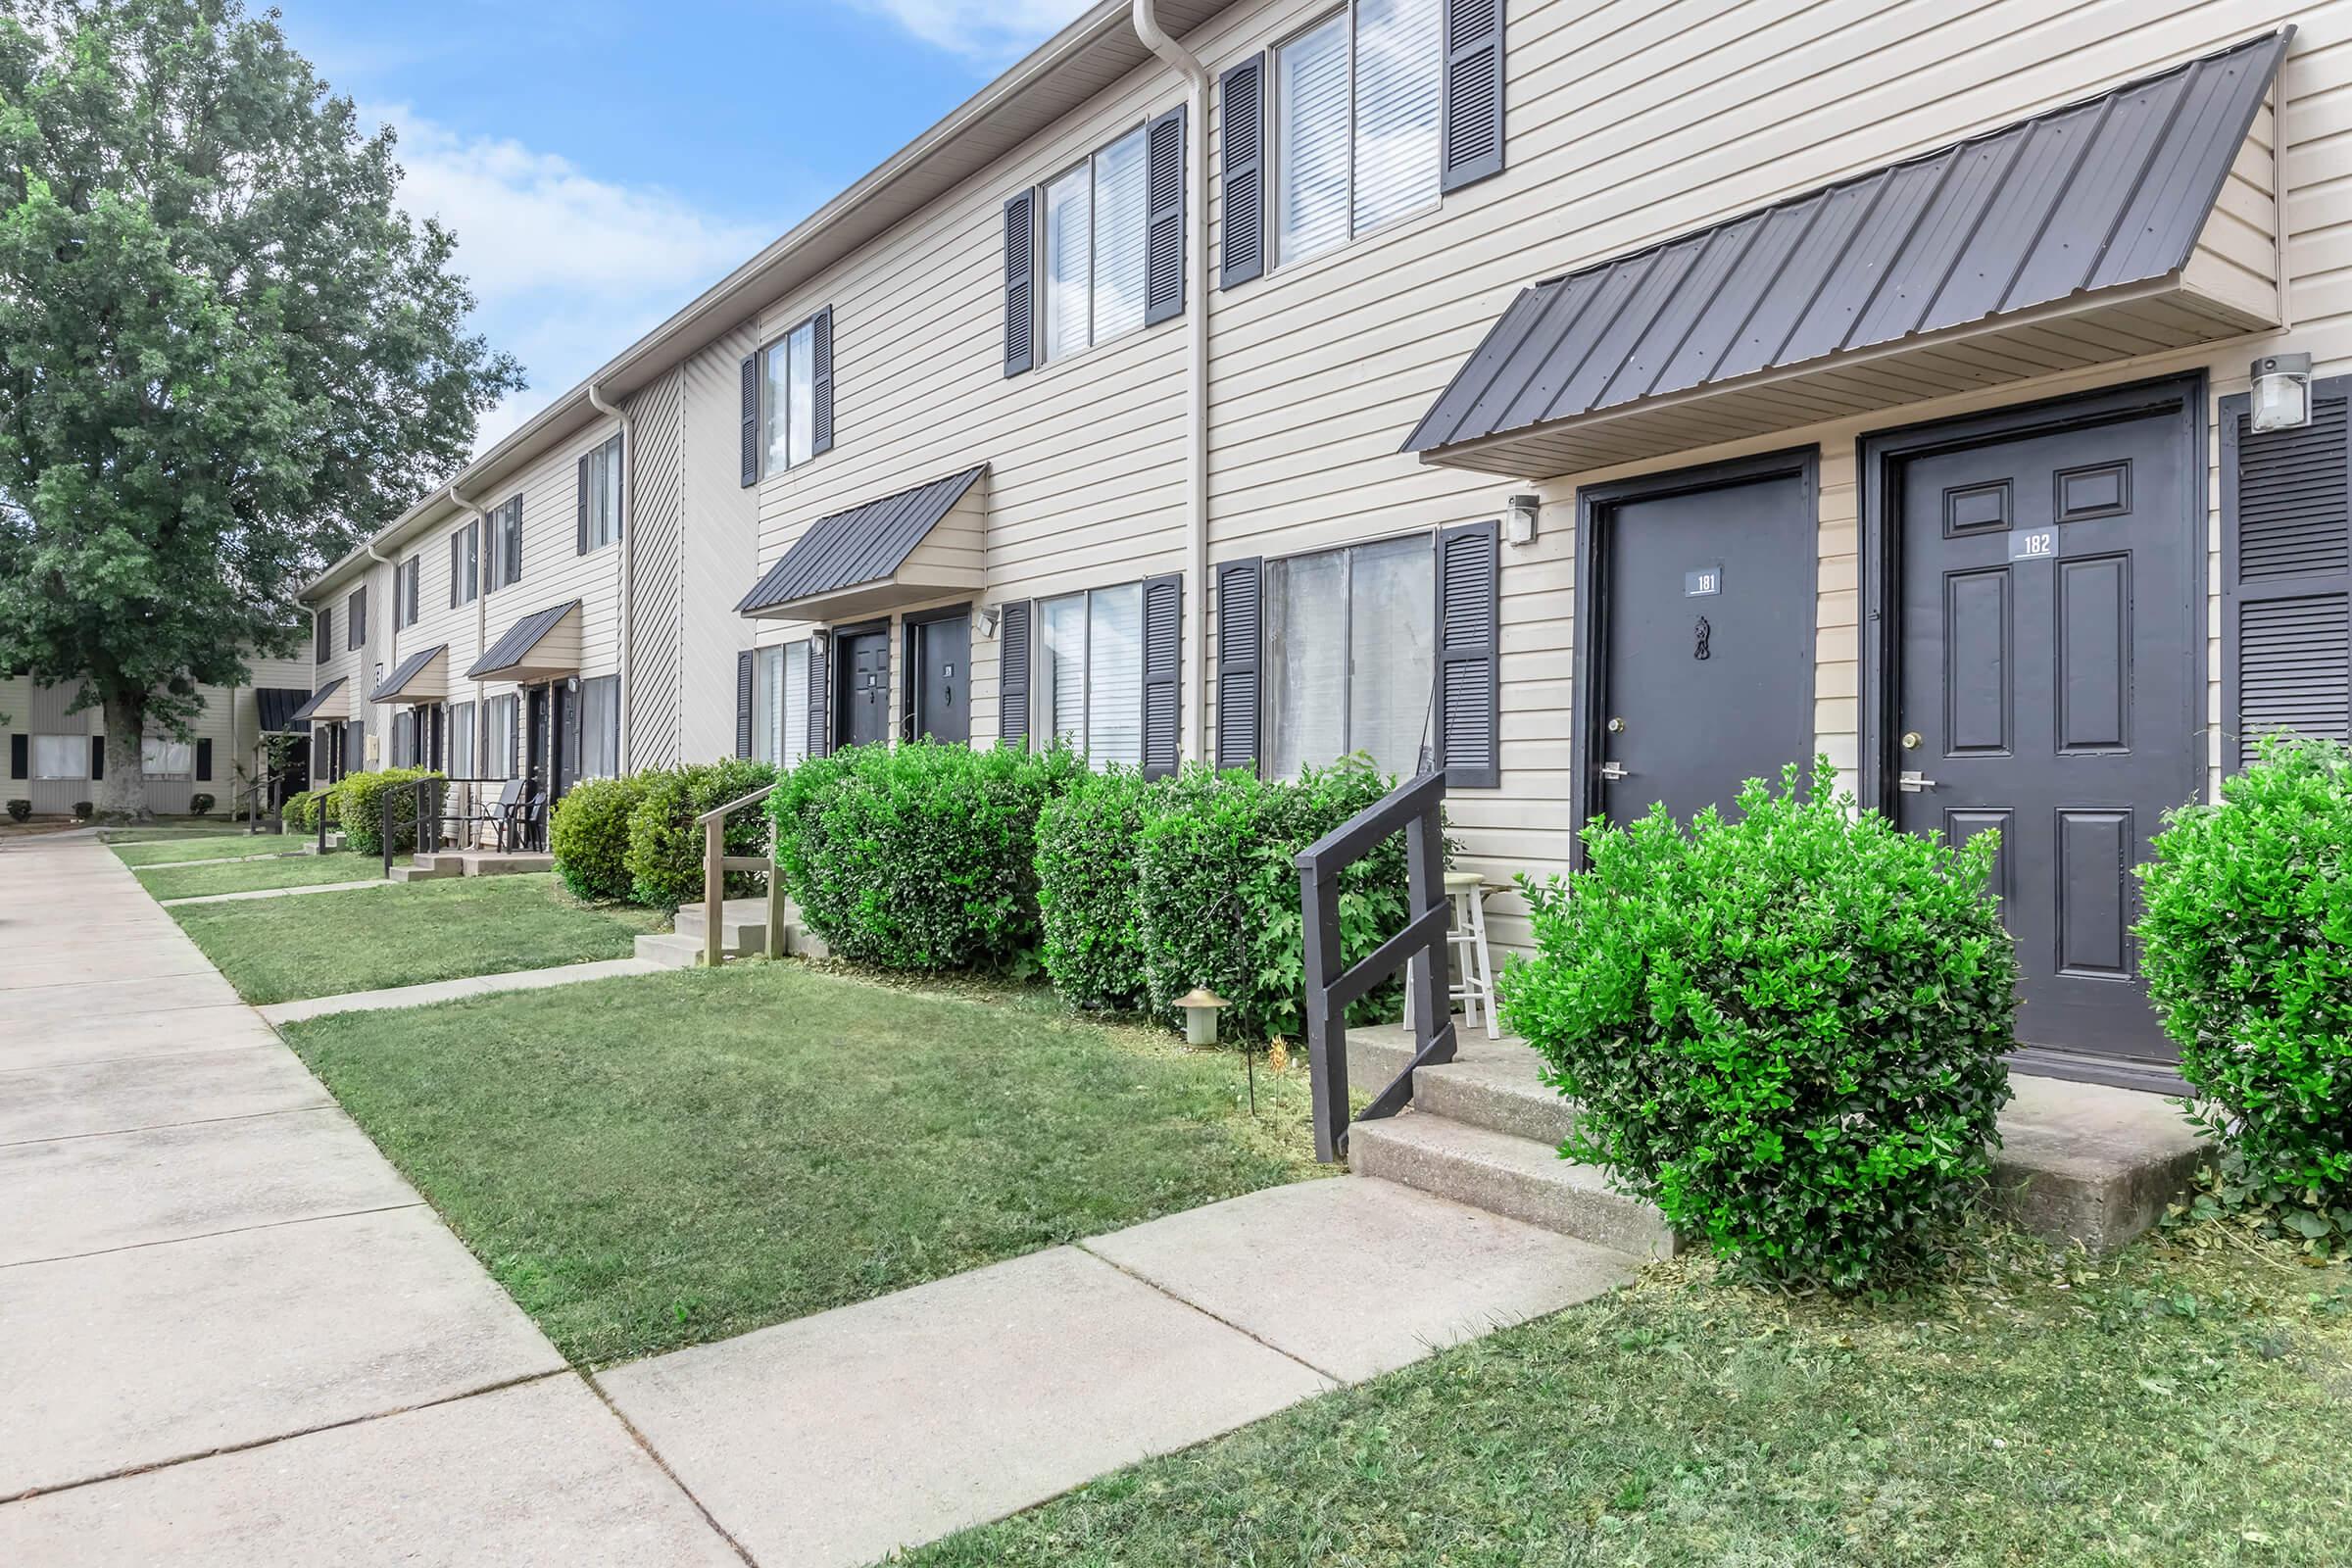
1603,405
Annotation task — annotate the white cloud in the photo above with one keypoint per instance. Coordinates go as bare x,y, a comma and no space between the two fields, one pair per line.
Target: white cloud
568,269
989,31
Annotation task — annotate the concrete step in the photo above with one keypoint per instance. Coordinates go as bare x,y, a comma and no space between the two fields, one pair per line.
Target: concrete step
745,928
428,868
490,862
670,951
1517,1178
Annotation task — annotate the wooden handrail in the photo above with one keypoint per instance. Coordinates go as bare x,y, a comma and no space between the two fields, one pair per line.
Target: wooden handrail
717,864
1416,808
719,813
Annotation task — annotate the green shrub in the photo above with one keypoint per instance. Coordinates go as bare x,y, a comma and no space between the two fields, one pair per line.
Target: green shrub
2247,944
1087,889
302,808
588,833
1785,1029
1217,897
357,805
19,810
200,804
83,810
664,859
920,857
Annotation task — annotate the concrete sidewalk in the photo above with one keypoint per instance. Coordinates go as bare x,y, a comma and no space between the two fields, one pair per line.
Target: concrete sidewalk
233,1335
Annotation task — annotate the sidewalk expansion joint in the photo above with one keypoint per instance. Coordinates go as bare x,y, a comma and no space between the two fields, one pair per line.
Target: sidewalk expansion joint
1332,1378
206,1236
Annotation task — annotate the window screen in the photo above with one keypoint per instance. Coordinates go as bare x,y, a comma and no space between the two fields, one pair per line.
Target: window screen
1087,687
600,727
1096,221
1350,651
780,704
61,756
789,400
1356,123
603,494
460,741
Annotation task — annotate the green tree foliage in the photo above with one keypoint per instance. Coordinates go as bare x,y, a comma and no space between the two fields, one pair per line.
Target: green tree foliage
226,355
1784,1027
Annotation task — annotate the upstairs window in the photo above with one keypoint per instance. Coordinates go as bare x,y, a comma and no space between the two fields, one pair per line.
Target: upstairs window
1356,124
789,404
322,622
407,578
1089,682
506,545
600,497
466,565
1096,217
355,621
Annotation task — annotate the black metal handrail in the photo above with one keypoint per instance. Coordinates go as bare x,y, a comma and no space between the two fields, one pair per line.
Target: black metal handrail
418,788
1416,808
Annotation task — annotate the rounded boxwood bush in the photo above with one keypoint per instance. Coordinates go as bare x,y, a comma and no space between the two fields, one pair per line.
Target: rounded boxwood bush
200,804
2246,941
83,810
359,809
919,856
664,859
1087,889
302,808
588,833
19,810
1784,1027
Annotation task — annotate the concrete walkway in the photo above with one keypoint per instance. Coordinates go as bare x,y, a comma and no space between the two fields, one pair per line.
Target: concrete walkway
231,1334
277,893
432,991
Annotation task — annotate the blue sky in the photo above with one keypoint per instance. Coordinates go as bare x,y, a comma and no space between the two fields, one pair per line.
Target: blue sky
602,161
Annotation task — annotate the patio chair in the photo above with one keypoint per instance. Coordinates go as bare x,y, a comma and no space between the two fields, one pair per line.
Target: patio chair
525,827
496,813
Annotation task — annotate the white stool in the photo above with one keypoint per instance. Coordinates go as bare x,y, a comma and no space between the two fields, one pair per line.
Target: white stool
1467,934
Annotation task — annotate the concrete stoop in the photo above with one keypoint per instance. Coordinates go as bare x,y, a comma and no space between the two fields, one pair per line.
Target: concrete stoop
2079,1162
744,934
471,863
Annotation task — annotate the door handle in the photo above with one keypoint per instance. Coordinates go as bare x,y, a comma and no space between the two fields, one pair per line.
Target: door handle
1912,782
1613,771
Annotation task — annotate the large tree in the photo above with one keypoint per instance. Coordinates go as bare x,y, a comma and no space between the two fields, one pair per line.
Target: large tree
226,354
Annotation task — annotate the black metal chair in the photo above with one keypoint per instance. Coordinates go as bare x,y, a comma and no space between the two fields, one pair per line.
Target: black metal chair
498,813
528,821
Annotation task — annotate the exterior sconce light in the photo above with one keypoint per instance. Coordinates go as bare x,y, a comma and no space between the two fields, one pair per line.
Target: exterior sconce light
1201,1005
986,617
571,683
2281,397
1519,518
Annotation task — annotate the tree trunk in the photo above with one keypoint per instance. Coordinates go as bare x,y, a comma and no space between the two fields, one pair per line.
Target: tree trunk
122,796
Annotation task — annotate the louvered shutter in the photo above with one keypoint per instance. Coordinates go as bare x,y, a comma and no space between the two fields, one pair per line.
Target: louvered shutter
1163,222
745,662
1469,655
204,760
1242,172
19,757
1470,97
1012,676
1163,677
355,756
750,372
2286,571
324,625
820,400
1239,638
1020,283
579,532
821,721
456,565
97,756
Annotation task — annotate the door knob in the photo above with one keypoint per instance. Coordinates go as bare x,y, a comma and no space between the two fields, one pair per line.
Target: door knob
1912,782
1613,771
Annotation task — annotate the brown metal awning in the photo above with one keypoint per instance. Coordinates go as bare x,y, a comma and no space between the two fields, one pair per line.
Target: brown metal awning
545,646
422,677
895,550
2084,235
328,703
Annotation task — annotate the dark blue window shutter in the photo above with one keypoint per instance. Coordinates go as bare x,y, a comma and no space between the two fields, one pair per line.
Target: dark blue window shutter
1012,676
1239,640
204,760
579,535
456,565
1163,674
1242,172
2286,571
820,400
1470,655
19,757
745,661
1020,283
323,623
97,756
820,717
356,740
750,372
1470,93
1164,224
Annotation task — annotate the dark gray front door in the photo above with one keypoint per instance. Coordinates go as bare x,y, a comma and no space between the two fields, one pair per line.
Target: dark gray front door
942,661
565,735
2048,683
1705,677
861,706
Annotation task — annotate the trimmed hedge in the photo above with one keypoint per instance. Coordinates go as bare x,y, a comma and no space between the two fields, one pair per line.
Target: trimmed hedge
300,808
360,810
1089,888
588,833
2247,944
200,804
1785,1029
920,857
664,859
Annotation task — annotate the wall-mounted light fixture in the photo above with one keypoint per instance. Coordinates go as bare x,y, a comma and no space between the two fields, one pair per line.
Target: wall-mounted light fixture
2281,392
986,617
1519,516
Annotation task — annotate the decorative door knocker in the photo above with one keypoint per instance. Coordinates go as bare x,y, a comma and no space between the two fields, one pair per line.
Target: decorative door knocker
1704,631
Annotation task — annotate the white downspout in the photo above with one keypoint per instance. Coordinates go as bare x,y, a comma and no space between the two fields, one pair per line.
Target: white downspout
361,677
1187,64
481,625
627,565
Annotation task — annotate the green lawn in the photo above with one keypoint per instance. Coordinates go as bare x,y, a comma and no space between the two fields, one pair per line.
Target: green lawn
255,872
168,830
651,1162
2165,1408
327,943
205,847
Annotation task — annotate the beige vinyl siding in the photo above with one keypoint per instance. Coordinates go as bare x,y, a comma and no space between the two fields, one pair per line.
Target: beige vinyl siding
229,718
1086,455
356,666
657,517
721,549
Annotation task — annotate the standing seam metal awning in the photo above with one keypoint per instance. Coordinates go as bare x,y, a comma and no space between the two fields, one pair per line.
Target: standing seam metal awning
2082,201
518,653
323,704
396,686
867,545
280,706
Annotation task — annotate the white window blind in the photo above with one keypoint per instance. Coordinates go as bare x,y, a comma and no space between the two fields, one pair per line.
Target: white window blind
1097,218
1356,123
165,758
1062,670
780,704
603,494
1352,649
460,741
600,727
498,736
61,756
1069,263
469,562
1114,675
